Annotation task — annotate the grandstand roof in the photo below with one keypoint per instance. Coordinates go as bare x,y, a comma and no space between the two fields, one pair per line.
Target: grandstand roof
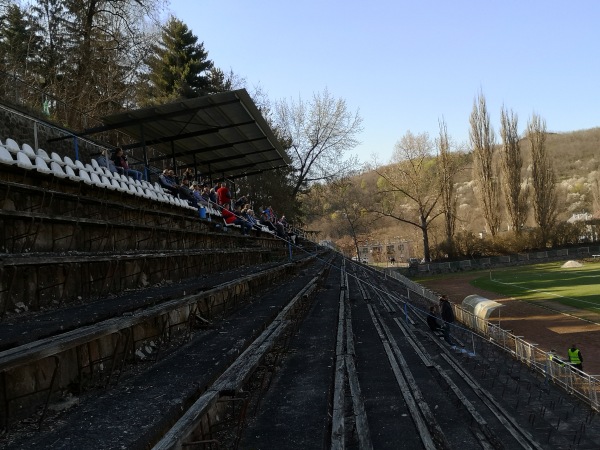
222,134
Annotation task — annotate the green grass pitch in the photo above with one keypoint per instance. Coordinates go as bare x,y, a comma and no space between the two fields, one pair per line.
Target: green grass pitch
577,287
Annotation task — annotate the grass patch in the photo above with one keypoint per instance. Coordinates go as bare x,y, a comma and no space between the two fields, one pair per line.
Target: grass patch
578,287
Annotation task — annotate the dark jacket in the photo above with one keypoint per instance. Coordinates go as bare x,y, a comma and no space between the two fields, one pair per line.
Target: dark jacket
433,323
447,311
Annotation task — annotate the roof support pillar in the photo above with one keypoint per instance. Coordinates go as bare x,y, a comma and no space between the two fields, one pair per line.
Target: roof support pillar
145,153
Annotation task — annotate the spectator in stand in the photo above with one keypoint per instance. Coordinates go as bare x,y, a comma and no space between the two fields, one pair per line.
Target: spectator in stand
252,220
213,196
241,202
248,214
266,221
120,160
223,194
188,193
197,191
236,219
103,161
188,174
205,195
432,320
167,181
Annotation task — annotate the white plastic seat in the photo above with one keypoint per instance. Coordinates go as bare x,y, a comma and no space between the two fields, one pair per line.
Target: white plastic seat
85,176
107,172
124,187
28,151
106,183
69,162
131,189
139,191
56,169
12,145
96,179
6,157
115,184
23,161
95,164
150,194
80,165
56,157
41,166
71,173
42,154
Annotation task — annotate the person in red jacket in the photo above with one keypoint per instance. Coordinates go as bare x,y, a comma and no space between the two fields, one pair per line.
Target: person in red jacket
236,219
223,194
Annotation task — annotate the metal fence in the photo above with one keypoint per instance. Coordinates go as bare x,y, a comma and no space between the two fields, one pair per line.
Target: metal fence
574,381
508,260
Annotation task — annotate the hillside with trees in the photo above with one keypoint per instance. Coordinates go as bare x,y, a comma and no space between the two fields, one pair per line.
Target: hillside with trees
396,202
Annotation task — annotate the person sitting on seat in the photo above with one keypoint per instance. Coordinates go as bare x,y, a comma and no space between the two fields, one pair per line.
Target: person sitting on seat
104,162
432,321
167,181
265,220
205,195
120,160
241,202
188,174
235,219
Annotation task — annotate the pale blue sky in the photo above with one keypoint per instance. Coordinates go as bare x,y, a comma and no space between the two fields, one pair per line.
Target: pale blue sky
405,64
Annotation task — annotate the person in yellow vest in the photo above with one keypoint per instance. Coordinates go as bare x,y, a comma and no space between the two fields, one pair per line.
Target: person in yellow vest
575,357
554,358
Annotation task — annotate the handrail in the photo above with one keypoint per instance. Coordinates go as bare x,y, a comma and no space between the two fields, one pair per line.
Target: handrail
573,380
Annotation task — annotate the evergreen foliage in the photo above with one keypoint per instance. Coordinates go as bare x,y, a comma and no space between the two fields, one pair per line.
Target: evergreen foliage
178,66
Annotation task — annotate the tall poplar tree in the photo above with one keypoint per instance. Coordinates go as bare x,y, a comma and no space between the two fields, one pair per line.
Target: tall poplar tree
512,163
482,141
447,168
543,179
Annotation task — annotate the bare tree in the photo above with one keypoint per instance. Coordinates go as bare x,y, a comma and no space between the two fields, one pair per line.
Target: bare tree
448,167
321,133
512,162
348,200
103,50
408,189
543,179
483,142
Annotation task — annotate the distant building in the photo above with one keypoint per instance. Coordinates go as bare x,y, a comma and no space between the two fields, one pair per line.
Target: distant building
590,233
377,252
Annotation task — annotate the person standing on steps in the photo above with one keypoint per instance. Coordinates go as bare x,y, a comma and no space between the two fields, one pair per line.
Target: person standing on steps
448,318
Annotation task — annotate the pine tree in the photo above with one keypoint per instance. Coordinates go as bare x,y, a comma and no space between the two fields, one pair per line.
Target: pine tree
18,42
178,66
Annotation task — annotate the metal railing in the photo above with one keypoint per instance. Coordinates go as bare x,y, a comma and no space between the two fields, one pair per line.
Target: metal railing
573,380
504,260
